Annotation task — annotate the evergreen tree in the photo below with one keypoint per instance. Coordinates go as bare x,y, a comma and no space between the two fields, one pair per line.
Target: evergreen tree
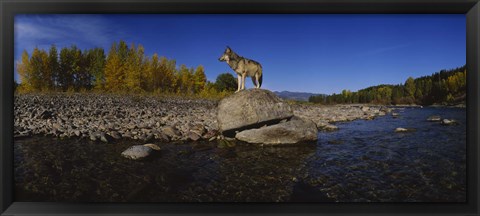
226,82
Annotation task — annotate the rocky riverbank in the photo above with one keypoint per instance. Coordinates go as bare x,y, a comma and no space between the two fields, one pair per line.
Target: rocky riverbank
102,117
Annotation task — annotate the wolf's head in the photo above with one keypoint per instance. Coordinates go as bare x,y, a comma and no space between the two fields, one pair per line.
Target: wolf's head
226,56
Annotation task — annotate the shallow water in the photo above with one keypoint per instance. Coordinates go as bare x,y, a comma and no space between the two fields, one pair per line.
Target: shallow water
365,161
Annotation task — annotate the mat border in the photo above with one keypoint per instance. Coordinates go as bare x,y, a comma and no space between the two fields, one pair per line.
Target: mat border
8,8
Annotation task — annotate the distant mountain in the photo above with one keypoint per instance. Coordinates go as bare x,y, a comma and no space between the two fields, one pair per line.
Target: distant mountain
299,96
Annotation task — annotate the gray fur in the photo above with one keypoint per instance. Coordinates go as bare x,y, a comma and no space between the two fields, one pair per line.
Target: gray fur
243,67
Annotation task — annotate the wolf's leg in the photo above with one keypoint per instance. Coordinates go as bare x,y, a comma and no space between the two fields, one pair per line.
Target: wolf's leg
239,82
243,81
257,83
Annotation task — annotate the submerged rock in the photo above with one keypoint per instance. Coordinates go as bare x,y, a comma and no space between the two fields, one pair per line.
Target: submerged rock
448,122
250,109
137,152
434,118
404,130
294,131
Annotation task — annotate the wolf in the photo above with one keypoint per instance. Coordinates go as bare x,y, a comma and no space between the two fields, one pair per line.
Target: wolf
243,67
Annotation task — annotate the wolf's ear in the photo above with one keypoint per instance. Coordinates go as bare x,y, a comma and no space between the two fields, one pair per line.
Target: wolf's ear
228,49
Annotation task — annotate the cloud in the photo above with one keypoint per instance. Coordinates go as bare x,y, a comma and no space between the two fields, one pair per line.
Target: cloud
83,30
87,30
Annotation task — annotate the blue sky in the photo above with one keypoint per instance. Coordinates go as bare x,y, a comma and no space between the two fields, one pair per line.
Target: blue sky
304,53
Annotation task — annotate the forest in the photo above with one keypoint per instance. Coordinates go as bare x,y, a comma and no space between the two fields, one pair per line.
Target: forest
446,87
124,69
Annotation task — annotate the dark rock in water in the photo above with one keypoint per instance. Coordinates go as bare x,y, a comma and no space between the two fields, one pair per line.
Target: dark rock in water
249,109
137,152
434,118
448,122
294,131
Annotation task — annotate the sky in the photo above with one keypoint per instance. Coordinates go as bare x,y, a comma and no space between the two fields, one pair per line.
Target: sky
316,53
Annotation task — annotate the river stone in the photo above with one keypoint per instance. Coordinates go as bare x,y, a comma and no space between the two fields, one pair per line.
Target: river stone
404,130
294,131
193,136
448,122
170,131
251,108
325,126
137,152
104,137
434,118
115,135
152,146
329,127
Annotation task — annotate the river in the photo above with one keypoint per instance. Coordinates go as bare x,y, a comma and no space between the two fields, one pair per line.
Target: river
364,161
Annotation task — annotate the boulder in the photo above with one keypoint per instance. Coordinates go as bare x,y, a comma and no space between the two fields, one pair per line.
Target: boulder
137,152
251,108
294,131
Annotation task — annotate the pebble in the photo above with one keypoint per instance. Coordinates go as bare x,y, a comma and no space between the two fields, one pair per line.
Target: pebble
151,118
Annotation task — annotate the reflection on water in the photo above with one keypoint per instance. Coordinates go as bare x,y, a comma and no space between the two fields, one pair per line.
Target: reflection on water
364,161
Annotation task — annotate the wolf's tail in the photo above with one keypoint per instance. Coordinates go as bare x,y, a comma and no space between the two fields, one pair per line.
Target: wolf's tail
261,77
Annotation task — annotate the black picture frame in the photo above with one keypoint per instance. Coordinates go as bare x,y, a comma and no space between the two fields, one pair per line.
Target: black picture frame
8,9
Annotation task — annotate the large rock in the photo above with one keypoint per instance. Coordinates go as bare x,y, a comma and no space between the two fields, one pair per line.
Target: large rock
251,108
140,151
294,131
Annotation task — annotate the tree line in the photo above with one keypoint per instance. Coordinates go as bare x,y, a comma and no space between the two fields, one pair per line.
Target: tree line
444,87
124,69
